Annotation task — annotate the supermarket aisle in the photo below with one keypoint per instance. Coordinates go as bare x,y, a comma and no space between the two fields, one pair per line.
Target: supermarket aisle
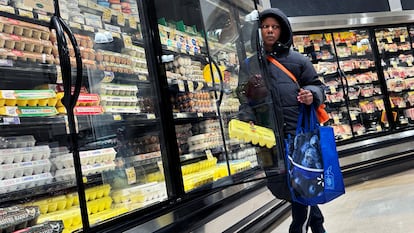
383,205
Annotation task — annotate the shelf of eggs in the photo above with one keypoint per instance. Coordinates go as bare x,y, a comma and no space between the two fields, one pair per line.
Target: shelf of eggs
92,162
394,45
197,141
192,95
25,41
23,165
66,207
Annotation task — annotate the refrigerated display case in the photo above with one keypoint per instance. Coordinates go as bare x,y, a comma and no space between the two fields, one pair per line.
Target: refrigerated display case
95,130
346,63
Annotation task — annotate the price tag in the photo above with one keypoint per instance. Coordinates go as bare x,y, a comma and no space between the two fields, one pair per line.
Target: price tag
190,85
389,40
127,40
181,86
131,175
353,116
209,154
200,114
200,86
132,23
27,14
107,15
336,120
332,89
150,116
121,19
402,38
117,117
409,63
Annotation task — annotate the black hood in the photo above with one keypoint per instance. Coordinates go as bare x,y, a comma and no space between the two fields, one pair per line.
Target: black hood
286,36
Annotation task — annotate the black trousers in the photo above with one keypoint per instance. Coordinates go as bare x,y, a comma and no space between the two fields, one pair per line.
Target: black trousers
304,217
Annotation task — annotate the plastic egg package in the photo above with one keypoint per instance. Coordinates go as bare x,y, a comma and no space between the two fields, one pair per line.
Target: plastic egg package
17,170
118,89
24,154
25,182
17,142
97,156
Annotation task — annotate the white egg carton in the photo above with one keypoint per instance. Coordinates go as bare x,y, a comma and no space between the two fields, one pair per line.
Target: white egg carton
110,100
17,142
25,154
17,170
118,89
67,174
97,156
25,182
62,161
98,168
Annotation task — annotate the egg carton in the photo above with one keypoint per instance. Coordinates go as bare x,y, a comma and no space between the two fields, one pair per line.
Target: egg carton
17,170
25,154
25,182
118,89
98,168
97,156
17,141
110,100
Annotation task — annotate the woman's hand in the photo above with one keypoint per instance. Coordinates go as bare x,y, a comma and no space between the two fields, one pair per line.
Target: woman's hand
305,97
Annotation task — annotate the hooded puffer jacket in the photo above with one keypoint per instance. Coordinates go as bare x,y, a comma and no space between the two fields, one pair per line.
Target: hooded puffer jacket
283,89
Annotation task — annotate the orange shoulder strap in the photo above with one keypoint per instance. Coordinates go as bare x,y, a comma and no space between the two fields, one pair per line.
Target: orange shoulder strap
282,67
323,116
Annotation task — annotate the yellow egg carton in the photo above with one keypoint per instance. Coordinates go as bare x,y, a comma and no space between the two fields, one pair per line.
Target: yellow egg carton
30,98
255,134
198,179
71,217
84,99
99,205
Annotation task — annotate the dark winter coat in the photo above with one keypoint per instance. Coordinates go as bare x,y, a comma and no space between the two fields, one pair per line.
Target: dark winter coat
262,99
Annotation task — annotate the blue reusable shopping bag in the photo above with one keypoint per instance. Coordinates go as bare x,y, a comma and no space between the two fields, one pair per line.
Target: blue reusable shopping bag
314,175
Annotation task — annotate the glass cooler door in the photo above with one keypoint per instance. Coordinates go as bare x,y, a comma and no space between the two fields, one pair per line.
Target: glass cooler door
37,179
117,119
202,77
396,53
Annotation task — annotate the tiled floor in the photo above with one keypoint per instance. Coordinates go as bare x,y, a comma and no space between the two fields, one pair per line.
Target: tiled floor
384,205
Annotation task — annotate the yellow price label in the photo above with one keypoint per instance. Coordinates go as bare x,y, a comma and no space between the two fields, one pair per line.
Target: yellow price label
402,38
117,117
7,9
389,39
121,19
209,154
353,117
131,175
107,15
27,14
190,85
336,120
127,40
181,86
332,89
132,23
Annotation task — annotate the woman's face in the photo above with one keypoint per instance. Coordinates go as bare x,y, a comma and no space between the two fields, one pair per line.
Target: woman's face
270,32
